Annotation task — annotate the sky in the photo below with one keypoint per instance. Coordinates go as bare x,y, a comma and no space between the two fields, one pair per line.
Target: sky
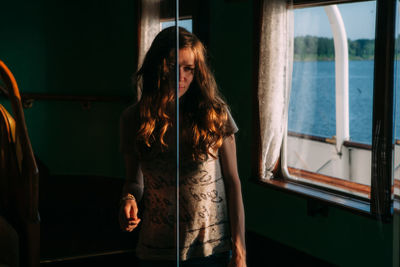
185,23
358,18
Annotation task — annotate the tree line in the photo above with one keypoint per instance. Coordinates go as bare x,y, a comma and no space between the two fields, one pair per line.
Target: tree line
322,48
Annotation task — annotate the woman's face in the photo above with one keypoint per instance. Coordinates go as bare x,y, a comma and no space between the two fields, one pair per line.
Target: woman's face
186,69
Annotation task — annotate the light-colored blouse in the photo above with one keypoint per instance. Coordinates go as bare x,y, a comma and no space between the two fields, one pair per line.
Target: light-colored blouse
203,212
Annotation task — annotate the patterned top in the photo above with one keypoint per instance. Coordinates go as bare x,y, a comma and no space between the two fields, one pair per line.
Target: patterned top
203,212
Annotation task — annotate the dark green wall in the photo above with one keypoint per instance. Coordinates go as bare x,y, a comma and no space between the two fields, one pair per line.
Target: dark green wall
72,48
89,48
342,238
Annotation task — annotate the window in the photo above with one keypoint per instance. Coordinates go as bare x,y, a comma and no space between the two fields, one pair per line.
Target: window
187,10
185,23
330,110
339,142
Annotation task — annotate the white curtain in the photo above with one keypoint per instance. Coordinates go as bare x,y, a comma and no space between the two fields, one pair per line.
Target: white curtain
274,80
149,26
148,29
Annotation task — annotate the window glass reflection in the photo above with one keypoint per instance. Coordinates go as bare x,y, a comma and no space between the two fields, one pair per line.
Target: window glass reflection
330,110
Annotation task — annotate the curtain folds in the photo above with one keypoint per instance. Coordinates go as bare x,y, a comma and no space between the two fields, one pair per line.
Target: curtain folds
149,25
148,29
274,80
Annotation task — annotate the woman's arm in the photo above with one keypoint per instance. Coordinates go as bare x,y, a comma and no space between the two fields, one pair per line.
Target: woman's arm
235,202
131,193
134,177
133,189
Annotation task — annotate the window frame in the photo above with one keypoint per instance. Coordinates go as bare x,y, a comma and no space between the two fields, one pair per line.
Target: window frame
197,10
381,204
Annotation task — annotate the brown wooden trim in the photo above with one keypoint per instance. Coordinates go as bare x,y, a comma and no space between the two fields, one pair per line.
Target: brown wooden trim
26,187
329,180
397,183
9,124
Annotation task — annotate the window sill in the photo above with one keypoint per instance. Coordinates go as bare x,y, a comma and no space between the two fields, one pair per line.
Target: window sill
350,203
355,205
352,189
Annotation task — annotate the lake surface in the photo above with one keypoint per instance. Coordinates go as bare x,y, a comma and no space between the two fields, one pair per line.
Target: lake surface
312,100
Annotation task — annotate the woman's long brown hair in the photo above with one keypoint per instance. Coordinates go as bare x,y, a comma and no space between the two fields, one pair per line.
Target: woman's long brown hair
203,113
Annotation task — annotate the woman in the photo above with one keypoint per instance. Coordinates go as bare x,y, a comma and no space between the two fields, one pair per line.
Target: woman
211,214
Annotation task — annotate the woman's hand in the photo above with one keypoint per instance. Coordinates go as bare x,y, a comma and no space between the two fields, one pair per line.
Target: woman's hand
128,219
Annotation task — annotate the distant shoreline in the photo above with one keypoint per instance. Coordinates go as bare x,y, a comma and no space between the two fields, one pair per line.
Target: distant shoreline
397,58
314,48
329,59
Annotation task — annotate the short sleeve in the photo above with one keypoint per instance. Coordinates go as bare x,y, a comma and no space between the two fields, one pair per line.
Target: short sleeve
230,126
127,130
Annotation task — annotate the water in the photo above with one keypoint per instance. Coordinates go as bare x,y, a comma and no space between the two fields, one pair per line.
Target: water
312,100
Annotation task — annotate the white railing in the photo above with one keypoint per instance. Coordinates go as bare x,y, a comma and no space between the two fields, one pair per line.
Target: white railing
341,75
334,160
